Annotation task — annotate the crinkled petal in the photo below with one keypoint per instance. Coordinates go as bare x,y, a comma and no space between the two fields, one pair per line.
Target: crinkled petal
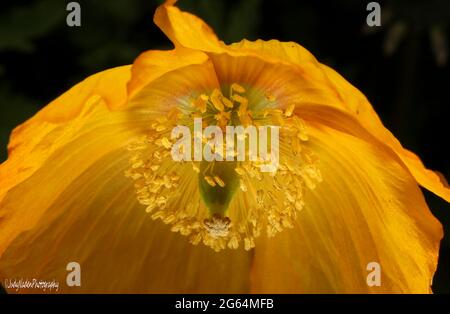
348,98
96,221
68,200
154,63
185,29
368,208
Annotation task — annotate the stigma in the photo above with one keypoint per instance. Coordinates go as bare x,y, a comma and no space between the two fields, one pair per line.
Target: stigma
230,199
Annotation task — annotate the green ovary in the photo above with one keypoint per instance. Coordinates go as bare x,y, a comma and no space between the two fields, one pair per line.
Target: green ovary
217,198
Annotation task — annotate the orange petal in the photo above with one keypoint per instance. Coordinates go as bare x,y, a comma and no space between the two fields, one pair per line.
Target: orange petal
342,96
185,29
153,64
32,142
363,111
66,198
95,220
367,209
74,146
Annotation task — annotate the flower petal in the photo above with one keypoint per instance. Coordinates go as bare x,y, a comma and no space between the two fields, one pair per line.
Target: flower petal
367,209
153,64
67,199
95,132
174,87
362,109
93,113
282,51
185,29
33,142
283,82
96,221
108,85
347,98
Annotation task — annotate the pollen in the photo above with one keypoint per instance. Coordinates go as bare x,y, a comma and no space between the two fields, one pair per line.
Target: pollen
210,180
289,110
219,181
200,103
216,99
242,185
224,205
166,143
237,88
195,167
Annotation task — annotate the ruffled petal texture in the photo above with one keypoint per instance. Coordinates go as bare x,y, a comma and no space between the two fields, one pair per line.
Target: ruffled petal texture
353,102
48,132
177,24
97,222
73,203
367,209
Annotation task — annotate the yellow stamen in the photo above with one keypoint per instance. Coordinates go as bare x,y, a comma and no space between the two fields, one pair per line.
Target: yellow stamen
222,118
160,128
228,103
241,100
219,181
216,100
237,88
166,143
200,103
242,185
243,113
195,167
289,110
249,201
240,171
210,180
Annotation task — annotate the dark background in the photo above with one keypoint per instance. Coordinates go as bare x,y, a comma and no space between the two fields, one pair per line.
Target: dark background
402,66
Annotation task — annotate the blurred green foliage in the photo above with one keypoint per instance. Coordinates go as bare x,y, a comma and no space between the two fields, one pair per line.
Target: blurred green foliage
402,66
21,25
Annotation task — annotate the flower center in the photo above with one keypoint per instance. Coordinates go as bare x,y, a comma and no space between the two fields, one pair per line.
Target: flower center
230,198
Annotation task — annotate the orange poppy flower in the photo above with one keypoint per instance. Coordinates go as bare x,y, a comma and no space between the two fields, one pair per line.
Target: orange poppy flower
89,179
